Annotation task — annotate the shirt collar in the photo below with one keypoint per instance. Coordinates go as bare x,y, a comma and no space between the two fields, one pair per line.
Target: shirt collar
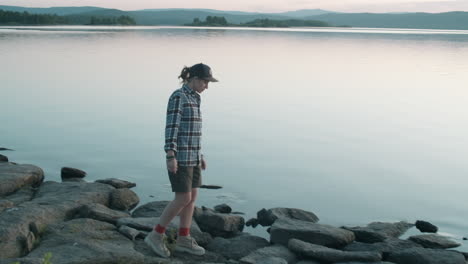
188,90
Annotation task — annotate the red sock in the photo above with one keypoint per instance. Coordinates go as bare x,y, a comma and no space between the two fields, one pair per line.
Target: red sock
160,229
184,231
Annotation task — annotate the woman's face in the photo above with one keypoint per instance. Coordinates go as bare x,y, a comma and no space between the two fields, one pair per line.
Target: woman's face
199,85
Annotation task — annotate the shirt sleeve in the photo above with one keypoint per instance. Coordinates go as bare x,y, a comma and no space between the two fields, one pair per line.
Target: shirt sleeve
173,117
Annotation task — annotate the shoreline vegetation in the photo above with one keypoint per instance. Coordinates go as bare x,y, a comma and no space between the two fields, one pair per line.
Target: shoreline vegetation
215,21
12,18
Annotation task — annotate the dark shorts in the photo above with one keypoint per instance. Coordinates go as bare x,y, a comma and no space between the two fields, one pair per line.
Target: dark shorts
185,179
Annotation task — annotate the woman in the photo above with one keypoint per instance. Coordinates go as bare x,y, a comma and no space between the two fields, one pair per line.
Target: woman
183,159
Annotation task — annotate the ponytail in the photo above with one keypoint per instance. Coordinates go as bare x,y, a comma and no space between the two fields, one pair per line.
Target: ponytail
185,74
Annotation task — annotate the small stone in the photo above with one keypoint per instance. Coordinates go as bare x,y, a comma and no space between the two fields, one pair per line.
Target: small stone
1,148
465,238
214,187
223,208
68,173
3,158
252,222
427,227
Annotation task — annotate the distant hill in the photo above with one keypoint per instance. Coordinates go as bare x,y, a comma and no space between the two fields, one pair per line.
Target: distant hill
305,13
82,15
61,11
449,20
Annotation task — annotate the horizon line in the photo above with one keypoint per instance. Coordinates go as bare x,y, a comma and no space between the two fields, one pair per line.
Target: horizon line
188,8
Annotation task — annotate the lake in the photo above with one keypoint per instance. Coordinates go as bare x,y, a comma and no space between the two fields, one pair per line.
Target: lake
355,125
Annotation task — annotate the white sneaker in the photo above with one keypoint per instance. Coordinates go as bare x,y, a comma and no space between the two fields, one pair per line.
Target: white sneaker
156,242
189,245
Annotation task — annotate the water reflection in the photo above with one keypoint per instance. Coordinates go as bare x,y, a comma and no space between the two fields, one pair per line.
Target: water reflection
341,119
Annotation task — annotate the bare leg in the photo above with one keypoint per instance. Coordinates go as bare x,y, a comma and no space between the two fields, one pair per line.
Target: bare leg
173,208
187,212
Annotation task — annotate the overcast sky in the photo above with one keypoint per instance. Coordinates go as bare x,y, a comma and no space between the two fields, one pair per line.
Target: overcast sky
433,6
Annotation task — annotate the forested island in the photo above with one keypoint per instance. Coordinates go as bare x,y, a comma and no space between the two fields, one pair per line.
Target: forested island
215,21
25,18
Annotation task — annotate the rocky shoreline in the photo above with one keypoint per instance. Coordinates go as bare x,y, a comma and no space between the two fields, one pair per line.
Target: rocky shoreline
80,222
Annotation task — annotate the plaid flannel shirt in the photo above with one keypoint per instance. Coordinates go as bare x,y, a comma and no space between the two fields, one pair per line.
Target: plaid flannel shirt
183,126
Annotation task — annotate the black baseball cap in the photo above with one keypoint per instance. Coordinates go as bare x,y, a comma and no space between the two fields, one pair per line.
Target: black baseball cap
202,71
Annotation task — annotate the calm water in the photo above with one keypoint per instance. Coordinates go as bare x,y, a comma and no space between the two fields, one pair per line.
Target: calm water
356,125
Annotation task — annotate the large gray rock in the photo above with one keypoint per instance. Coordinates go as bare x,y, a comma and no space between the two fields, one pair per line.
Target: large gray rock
426,256
14,177
25,260
379,231
268,217
237,247
148,223
272,260
224,225
152,209
6,204
385,247
22,195
278,251
308,262
358,262
123,199
117,183
87,241
101,213
285,229
434,241
53,203
321,253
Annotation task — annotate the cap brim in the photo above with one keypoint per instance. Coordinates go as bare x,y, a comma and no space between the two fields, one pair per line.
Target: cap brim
211,79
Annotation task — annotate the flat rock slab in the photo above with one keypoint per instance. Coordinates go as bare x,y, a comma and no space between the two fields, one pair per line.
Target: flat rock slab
379,231
14,177
117,183
321,253
151,209
426,256
385,247
278,251
87,241
434,241
285,229
101,213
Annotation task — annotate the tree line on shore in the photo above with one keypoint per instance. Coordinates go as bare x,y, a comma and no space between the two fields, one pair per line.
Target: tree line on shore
215,21
25,18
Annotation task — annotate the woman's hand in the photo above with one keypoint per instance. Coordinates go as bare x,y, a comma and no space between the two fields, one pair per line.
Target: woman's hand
172,165
203,163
